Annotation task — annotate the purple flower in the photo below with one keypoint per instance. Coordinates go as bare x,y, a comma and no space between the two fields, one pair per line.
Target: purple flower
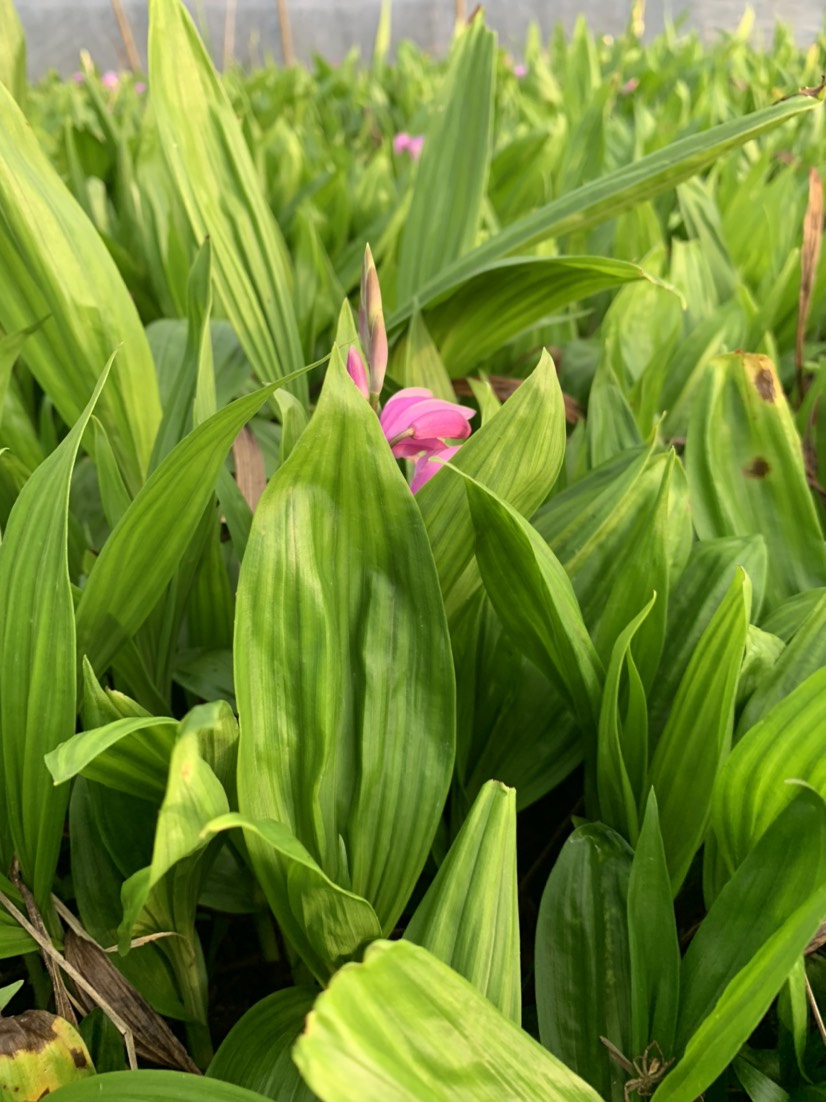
110,79
520,71
425,470
414,422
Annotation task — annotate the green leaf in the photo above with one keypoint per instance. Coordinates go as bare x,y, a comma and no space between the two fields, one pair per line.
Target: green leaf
218,185
256,1051
750,478
622,741
452,175
111,755
326,923
751,791
505,299
403,1025
13,52
538,607
140,557
608,196
155,1086
697,735
583,982
38,678
469,917
353,679
416,361
53,262
517,455
747,945
652,939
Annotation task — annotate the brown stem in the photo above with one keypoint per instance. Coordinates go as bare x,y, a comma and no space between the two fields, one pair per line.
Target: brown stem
229,32
125,29
287,52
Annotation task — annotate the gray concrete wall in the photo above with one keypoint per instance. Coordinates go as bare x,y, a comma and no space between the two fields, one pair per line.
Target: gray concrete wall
58,29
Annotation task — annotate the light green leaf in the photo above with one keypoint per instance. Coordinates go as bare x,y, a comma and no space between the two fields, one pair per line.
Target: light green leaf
217,182
469,917
53,262
697,735
404,1026
155,1086
13,52
38,676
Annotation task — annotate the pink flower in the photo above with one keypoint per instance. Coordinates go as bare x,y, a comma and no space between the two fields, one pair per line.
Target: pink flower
520,71
357,371
630,86
140,87
110,79
408,143
414,422
425,470
79,78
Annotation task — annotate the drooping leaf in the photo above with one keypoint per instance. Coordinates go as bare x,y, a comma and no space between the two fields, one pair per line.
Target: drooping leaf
403,1025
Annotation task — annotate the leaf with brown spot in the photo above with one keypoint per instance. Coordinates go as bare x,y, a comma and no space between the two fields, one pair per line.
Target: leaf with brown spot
758,468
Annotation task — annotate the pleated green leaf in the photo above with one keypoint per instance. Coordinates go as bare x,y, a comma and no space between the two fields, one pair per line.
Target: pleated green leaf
405,1026
697,735
511,296
750,478
218,185
155,1086
622,739
194,797
608,195
452,176
343,672
111,755
256,1051
53,262
751,791
536,602
12,52
38,674
583,982
517,454
756,930
327,924
469,917
141,555
652,940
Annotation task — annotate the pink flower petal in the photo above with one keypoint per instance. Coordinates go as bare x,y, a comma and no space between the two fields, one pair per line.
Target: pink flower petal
428,465
110,79
414,423
394,416
415,145
401,142
140,87
520,71
357,371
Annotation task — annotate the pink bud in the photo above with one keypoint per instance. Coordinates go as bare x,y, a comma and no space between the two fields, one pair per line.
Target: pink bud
428,465
357,371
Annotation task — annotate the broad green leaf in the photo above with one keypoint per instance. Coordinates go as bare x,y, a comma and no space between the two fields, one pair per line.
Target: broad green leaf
505,299
111,756
194,797
256,1051
756,1084
155,1086
217,182
352,680
747,945
452,175
403,1025
583,982
328,925
13,52
608,196
469,917
38,676
697,734
652,939
751,791
416,361
804,655
610,428
537,606
140,557
52,262
711,569
750,478
517,455
622,739
14,941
